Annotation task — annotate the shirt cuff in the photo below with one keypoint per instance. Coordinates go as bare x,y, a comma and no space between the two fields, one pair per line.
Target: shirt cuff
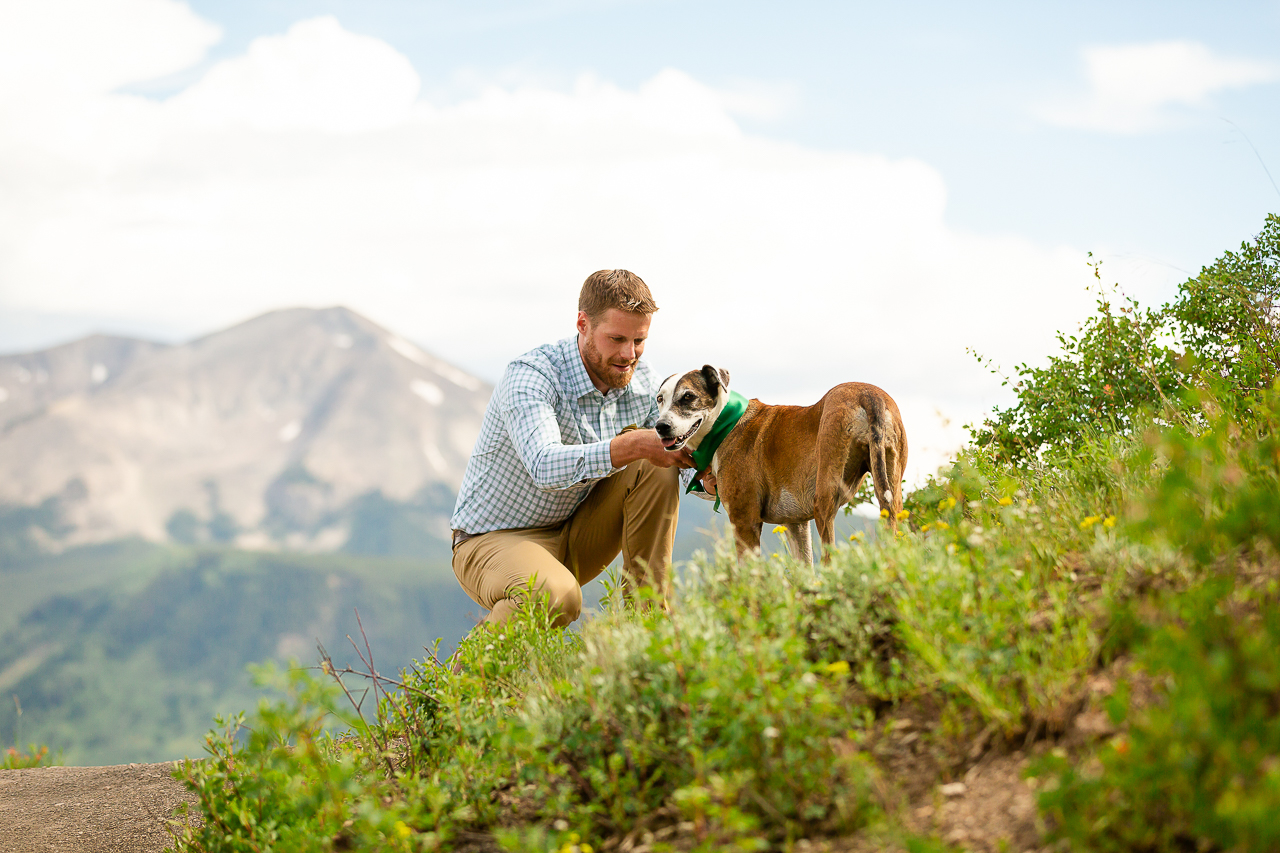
599,462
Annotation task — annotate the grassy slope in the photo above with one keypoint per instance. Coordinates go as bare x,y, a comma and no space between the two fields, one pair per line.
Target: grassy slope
1008,632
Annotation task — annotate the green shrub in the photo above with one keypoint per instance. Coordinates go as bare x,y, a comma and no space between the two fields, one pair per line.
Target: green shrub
1197,768
1220,334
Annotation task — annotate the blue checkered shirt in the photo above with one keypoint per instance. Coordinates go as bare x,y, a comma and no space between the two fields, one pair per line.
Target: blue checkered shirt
545,440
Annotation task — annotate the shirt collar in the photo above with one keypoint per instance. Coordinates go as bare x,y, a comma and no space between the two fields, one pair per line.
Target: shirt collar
577,382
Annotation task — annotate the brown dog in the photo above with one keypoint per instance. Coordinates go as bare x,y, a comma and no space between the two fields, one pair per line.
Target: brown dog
787,464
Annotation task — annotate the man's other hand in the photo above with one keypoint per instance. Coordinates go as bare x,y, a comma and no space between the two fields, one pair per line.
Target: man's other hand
639,444
709,482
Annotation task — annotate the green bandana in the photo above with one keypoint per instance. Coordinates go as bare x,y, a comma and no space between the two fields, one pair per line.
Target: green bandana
706,451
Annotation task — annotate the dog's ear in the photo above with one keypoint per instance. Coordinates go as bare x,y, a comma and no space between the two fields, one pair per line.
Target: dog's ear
714,379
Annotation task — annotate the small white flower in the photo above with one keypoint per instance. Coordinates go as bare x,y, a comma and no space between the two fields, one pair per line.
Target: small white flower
770,732
489,647
561,824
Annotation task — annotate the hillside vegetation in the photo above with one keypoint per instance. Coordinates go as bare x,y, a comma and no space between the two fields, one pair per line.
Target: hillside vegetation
124,652
1072,642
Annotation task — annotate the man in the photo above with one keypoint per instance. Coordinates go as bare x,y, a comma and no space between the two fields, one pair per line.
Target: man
568,471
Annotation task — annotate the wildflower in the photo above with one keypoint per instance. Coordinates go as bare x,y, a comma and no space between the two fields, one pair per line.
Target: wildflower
903,514
884,513
856,537
770,732
942,525
926,527
780,529
1109,521
946,503
402,829
1005,501
489,647
1090,521
838,667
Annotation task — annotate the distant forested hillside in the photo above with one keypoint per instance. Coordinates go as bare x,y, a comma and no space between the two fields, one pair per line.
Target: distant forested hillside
125,652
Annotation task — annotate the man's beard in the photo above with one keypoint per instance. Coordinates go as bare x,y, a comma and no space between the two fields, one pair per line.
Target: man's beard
604,370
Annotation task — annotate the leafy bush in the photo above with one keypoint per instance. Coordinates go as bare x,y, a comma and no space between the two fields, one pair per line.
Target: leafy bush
1221,333
1196,769
1228,318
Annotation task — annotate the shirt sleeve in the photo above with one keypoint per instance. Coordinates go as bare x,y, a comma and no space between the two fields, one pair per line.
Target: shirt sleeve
528,411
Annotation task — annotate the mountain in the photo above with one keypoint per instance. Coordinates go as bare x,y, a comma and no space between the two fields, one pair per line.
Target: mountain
302,429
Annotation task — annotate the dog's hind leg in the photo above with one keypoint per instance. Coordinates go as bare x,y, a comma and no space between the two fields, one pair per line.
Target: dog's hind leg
801,541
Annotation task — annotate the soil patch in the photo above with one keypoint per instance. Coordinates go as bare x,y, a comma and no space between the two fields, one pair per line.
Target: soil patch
120,809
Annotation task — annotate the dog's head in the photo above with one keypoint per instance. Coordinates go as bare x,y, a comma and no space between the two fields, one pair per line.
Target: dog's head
688,405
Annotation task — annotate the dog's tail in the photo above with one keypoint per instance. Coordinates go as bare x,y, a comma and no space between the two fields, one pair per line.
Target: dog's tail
885,477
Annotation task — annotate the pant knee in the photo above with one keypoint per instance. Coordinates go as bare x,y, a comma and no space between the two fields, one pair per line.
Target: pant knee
565,603
662,480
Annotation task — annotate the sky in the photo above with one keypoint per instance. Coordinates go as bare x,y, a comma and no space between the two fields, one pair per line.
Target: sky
816,192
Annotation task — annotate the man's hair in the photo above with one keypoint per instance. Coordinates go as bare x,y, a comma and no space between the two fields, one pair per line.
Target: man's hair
623,289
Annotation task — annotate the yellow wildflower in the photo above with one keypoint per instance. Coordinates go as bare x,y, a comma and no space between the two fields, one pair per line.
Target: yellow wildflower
839,667
402,829
780,529
884,513
942,525
1006,501
902,514
856,537
926,527
1109,521
946,503
1090,521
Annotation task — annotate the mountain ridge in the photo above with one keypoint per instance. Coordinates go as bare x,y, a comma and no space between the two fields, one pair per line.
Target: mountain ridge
275,432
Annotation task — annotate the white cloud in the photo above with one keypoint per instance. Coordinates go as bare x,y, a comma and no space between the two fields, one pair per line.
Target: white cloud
304,172
1137,88
315,77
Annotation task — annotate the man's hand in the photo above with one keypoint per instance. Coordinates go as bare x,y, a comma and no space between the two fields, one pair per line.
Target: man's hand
644,444
708,482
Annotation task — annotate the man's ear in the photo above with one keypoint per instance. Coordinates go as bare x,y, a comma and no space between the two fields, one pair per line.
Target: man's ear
712,377
584,323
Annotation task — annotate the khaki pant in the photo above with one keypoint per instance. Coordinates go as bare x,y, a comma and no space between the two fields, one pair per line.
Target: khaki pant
632,513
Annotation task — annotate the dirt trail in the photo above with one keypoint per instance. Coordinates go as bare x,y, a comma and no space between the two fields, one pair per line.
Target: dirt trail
121,809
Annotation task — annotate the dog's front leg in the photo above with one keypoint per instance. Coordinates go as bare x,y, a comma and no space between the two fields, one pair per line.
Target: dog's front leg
746,530
747,538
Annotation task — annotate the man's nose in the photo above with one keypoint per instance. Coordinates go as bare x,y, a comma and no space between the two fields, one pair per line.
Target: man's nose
629,351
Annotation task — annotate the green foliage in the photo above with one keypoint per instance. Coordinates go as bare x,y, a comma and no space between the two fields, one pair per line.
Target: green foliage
1197,769
1219,488
1229,317
1221,334
1113,367
284,784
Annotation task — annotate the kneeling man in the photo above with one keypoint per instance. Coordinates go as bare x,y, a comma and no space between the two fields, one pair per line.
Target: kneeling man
568,471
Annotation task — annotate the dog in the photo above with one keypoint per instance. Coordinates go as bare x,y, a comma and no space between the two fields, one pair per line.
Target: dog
788,464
